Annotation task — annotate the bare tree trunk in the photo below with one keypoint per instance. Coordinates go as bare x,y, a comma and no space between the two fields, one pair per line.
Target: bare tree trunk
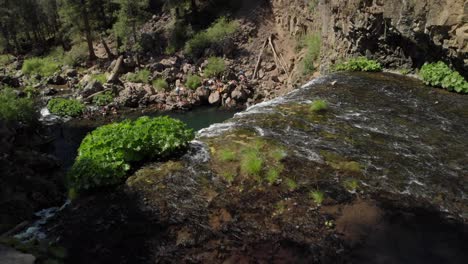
110,55
87,29
114,76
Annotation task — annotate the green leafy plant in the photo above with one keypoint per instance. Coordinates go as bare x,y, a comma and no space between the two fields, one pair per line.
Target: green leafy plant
317,196
66,107
107,154
215,67
214,35
193,81
273,175
141,76
46,66
440,75
318,106
14,108
160,84
103,99
359,64
30,91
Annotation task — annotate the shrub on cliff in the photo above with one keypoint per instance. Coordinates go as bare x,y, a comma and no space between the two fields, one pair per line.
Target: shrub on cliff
215,67
312,43
65,107
141,76
193,81
160,84
14,108
440,75
214,35
103,99
359,64
109,152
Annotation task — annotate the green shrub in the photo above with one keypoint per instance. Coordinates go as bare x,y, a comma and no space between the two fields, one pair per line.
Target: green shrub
227,155
317,197
318,106
215,67
103,99
141,76
312,43
65,107
273,175
15,109
193,82
102,78
177,33
108,153
359,64
251,162
78,54
440,75
160,84
351,185
30,91
46,66
5,59
214,35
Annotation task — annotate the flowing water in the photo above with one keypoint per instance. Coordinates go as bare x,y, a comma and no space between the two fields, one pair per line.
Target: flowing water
408,139
391,133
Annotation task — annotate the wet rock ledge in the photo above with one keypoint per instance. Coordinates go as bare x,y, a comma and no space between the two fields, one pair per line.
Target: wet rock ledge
369,180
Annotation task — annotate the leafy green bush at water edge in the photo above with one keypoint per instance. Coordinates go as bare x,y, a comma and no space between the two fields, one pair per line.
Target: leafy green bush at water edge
359,64
440,75
43,66
65,107
108,153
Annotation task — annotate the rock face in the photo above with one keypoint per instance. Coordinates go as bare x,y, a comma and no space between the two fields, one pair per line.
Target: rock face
399,33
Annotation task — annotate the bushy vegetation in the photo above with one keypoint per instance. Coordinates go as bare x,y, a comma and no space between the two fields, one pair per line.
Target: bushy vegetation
312,43
109,152
141,76
193,81
14,108
317,197
440,75
215,67
102,78
65,107
46,66
318,106
359,64
251,162
177,33
78,54
257,160
160,84
214,35
5,59
103,99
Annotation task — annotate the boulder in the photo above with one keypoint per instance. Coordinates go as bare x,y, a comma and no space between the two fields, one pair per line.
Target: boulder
49,91
56,80
135,94
91,88
12,256
71,73
215,98
203,94
10,81
239,94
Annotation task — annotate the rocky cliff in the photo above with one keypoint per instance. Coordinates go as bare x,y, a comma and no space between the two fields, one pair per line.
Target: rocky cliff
399,33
